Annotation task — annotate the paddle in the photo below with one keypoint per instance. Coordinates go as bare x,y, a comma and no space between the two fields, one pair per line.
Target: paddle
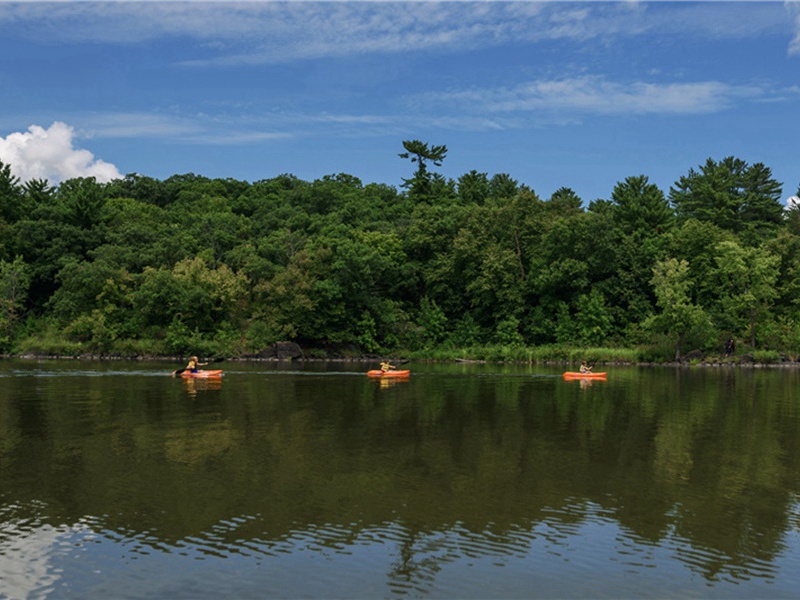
216,360
394,363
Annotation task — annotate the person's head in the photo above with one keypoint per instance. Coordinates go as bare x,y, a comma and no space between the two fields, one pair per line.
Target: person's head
194,358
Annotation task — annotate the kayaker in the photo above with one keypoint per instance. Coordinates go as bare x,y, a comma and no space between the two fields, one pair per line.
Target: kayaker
385,366
193,364
585,368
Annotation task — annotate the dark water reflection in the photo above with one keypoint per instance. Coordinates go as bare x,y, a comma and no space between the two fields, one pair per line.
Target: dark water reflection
463,481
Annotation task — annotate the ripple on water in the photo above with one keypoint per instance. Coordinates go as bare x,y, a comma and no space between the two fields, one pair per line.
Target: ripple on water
574,550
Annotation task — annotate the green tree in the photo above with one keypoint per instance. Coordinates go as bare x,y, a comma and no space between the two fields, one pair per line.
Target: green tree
679,314
507,332
695,242
81,287
502,185
793,214
81,200
15,280
421,185
574,254
733,195
433,322
641,215
747,277
593,319
12,195
289,303
564,201
641,207
473,187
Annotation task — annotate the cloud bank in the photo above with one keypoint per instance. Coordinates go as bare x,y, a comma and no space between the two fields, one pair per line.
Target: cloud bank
794,11
49,154
248,33
596,95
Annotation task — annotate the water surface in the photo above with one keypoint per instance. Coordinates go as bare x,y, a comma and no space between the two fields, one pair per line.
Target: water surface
468,481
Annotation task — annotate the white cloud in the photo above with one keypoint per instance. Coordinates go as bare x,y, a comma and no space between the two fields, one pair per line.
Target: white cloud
49,154
793,202
270,32
793,8
596,95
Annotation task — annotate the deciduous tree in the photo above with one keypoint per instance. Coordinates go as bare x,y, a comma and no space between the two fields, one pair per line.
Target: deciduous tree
679,314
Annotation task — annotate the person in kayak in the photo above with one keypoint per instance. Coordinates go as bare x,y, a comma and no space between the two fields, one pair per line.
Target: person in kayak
585,368
386,366
193,364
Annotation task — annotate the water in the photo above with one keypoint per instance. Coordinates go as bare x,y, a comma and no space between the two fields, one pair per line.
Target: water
464,481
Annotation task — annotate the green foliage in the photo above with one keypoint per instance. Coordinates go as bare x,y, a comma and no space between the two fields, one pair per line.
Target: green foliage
679,314
15,280
423,184
473,187
507,332
732,195
367,333
93,331
747,277
781,333
466,332
766,357
433,322
592,319
81,201
564,201
194,265
12,206
639,207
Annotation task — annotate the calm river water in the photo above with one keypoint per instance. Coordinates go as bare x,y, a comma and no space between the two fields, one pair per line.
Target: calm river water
464,481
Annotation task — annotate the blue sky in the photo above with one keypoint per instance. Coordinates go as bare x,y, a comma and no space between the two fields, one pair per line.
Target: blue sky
555,94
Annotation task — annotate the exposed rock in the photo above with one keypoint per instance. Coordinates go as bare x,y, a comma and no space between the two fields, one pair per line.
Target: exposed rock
290,350
694,355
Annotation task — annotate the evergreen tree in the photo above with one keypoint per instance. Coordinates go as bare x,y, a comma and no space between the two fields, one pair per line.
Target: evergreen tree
732,195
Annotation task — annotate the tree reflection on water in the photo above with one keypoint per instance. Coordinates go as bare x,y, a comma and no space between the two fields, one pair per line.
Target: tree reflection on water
697,467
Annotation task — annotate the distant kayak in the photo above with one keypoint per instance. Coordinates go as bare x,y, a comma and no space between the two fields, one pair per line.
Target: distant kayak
379,373
201,374
579,375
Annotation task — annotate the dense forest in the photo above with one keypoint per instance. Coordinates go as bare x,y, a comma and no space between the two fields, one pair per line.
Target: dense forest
145,267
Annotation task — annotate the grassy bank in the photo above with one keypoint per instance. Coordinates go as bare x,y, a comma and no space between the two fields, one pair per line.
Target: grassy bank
55,345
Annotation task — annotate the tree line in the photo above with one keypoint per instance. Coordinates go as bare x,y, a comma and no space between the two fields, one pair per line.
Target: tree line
189,264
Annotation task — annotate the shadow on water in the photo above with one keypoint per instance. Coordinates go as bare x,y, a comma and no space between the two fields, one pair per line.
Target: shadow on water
460,481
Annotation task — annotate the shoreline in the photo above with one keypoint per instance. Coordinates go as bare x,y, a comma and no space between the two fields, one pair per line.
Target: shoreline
743,361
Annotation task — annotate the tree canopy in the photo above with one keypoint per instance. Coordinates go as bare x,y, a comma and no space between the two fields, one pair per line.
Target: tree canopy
147,266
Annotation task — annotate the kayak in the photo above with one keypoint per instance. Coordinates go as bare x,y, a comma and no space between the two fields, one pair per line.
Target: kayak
203,374
379,373
579,375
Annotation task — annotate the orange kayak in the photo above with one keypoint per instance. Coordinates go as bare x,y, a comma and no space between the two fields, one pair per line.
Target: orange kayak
579,375
379,373
201,374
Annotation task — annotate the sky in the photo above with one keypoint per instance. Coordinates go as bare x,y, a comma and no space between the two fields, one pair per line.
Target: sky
555,94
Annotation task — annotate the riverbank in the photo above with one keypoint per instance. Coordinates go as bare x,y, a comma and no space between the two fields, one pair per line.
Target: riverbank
744,361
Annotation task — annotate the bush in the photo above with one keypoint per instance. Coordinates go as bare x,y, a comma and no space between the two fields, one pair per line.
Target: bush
766,357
